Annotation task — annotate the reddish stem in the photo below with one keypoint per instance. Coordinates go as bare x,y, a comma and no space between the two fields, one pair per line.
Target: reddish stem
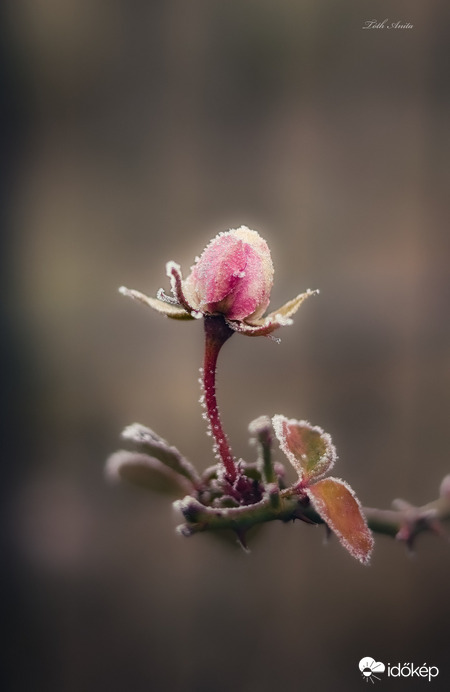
216,333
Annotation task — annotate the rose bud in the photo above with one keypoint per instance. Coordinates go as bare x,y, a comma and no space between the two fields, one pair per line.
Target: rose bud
233,277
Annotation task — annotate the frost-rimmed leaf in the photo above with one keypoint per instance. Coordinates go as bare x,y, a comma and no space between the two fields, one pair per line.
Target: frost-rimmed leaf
338,506
149,442
176,312
147,472
308,448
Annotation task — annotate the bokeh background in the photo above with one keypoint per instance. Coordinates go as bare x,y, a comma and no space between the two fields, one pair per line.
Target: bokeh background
132,132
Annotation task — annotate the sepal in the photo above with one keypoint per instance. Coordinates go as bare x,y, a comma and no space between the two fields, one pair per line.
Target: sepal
176,312
279,318
173,271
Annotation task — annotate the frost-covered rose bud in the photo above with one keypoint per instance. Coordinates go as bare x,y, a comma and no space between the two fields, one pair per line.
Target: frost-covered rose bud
234,276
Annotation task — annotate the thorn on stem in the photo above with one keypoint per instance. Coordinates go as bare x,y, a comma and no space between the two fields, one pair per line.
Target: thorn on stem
241,539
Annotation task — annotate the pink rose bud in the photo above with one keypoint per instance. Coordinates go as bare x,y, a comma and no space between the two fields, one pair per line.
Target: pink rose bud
234,276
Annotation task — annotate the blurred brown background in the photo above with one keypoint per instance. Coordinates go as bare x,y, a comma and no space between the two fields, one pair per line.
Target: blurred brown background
133,132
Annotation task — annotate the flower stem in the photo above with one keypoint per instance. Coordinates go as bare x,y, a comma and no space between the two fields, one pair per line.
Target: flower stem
216,333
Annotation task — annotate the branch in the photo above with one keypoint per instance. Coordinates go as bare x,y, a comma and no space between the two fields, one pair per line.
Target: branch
404,522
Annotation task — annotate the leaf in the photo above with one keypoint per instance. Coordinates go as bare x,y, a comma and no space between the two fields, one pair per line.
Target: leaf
338,506
308,448
147,472
149,442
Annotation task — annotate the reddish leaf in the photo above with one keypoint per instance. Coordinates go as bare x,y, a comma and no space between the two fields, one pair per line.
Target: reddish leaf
308,448
336,503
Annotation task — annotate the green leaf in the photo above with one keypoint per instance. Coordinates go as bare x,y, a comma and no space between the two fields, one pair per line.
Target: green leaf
338,506
308,448
148,473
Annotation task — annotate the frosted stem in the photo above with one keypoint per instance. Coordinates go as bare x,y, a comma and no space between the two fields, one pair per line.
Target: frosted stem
216,333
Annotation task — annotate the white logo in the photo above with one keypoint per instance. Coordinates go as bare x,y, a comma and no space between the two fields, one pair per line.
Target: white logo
368,667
